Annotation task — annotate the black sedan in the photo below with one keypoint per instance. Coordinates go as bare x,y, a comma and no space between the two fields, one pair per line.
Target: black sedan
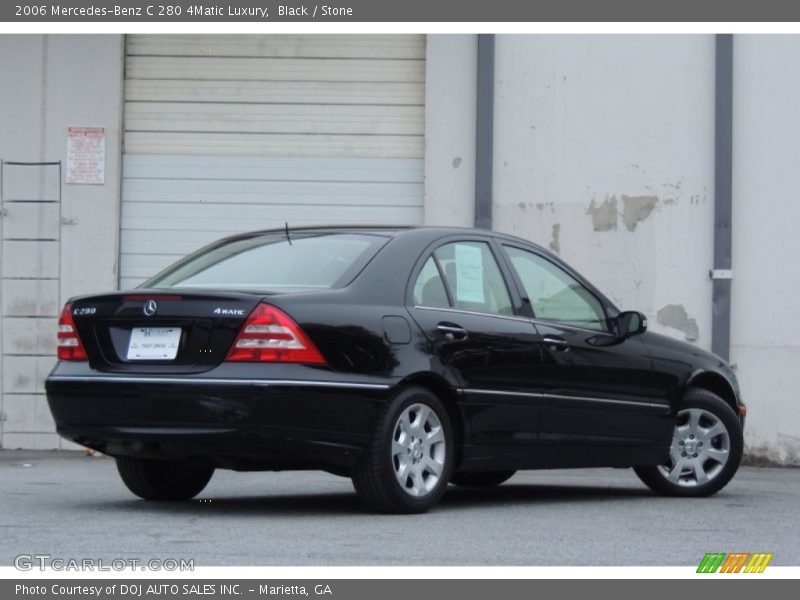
405,359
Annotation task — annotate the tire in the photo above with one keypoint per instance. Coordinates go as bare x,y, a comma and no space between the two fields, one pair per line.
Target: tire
413,439
161,479
481,480
707,445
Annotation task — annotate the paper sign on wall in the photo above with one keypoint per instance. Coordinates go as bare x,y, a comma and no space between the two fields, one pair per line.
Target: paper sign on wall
86,155
469,273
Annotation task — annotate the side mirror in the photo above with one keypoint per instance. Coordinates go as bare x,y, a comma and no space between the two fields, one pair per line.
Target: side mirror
630,323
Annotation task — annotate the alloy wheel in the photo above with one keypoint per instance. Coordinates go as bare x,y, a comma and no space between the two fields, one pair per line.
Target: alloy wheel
700,449
418,450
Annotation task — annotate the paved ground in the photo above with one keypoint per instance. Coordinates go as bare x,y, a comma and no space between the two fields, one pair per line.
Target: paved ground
72,506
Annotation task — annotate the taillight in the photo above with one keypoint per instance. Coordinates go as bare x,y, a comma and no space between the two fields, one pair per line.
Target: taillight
270,335
69,344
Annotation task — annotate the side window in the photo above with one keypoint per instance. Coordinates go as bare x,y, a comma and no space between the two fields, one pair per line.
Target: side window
473,278
554,294
429,287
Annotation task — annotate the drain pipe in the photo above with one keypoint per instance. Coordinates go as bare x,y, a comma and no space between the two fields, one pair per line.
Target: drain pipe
484,132
722,273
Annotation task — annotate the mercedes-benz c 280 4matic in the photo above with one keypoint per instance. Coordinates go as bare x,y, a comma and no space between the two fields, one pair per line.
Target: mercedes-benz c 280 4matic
406,359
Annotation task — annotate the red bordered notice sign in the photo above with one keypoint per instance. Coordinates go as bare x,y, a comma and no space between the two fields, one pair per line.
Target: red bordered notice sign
86,155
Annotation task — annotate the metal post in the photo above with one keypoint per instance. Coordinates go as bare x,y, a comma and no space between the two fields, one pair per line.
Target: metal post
723,188
484,132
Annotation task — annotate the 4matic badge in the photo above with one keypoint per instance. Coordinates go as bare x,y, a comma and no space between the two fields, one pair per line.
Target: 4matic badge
229,312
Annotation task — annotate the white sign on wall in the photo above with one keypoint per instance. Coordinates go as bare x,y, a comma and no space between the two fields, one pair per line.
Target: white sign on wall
86,155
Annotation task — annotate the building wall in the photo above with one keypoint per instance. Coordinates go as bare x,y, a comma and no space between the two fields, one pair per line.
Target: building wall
52,82
765,336
604,152
450,94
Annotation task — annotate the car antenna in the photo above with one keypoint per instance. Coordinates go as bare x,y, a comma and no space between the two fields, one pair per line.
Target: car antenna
288,237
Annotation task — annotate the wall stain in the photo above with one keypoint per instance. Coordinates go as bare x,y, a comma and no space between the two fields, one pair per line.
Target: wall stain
675,316
636,209
456,162
675,186
604,216
555,244
541,206
637,277
783,453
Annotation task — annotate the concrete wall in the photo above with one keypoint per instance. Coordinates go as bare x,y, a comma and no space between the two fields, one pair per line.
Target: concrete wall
604,152
765,337
450,88
52,82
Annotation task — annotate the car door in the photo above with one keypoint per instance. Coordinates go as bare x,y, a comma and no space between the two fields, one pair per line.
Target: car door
461,300
597,388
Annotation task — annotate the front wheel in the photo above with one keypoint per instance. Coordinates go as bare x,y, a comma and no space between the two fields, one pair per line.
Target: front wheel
406,467
163,479
706,449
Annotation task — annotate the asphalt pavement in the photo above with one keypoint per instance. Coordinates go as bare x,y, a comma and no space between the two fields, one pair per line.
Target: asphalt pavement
69,505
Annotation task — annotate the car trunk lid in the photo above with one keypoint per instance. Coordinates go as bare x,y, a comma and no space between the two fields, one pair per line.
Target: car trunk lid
160,331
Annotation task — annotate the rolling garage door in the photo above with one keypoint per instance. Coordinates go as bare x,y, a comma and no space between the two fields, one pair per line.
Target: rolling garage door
234,133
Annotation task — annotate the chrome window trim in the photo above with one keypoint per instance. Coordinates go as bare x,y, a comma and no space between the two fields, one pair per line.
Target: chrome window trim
513,318
231,381
572,327
475,313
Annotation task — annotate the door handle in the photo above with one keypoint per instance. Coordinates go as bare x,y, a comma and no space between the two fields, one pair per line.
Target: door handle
556,343
452,331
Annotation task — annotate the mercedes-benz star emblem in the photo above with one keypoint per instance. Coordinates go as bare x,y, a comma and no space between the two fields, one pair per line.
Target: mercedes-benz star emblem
150,308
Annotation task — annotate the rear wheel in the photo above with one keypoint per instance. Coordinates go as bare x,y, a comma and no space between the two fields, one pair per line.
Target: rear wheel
478,480
706,449
163,479
406,467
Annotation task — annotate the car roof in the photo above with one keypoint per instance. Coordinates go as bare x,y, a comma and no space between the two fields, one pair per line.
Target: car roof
431,231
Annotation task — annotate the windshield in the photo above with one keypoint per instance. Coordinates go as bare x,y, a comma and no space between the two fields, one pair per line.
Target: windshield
271,262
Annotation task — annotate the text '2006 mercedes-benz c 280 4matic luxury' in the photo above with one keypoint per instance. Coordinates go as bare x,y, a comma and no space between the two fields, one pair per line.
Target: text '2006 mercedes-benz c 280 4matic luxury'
405,359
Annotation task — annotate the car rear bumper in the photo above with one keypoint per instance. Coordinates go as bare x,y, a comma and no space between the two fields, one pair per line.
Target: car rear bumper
231,421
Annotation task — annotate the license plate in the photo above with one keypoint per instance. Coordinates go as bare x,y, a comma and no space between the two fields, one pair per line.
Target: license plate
154,343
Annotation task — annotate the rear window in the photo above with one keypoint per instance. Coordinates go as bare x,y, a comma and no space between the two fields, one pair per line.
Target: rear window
271,262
